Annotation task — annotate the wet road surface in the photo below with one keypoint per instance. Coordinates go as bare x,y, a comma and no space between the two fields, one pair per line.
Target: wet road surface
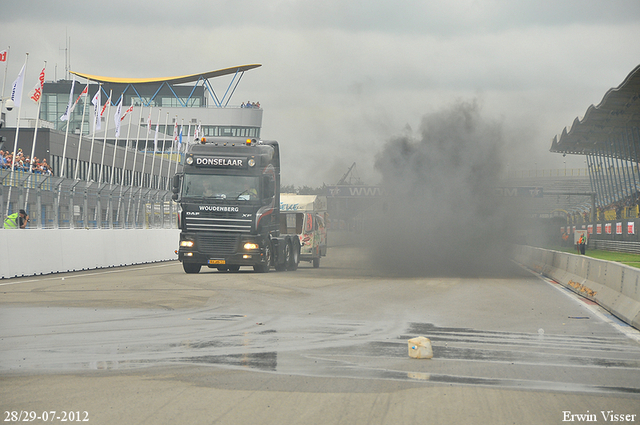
328,345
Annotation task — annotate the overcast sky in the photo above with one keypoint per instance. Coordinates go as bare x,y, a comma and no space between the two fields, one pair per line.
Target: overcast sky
341,77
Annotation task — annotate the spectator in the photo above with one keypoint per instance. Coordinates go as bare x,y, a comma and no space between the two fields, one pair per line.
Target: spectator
17,220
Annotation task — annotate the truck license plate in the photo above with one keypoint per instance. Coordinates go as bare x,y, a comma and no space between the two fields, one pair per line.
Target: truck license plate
216,262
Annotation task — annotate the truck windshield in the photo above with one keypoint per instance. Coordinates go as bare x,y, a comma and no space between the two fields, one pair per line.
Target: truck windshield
234,188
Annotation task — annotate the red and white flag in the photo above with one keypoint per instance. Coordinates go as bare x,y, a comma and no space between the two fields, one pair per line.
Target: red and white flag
175,131
149,122
128,111
105,105
16,90
3,55
84,93
36,93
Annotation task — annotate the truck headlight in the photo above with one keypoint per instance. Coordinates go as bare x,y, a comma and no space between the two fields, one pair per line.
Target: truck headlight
187,244
251,246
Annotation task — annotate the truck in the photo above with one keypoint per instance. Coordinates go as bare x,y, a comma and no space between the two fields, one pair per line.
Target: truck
306,216
228,193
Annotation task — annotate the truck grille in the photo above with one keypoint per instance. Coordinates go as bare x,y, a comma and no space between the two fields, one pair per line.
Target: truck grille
217,244
218,224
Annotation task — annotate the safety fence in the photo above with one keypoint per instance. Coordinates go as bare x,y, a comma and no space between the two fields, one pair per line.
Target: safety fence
59,203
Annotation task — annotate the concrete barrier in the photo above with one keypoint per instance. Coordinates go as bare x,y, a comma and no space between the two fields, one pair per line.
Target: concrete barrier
614,286
35,252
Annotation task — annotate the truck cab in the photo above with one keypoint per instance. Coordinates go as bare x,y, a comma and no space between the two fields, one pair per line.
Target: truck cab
229,192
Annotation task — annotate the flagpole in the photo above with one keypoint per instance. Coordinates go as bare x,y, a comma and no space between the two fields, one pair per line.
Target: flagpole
33,145
164,138
66,134
96,117
185,143
104,141
126,148
15,143
135,158
144,161
116,120
84,109
171,156
124,165
166,187
155,148
146,144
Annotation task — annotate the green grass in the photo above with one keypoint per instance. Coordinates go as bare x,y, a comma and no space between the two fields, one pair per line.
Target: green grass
632,260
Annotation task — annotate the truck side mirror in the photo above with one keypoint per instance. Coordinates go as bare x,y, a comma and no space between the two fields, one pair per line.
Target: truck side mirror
175,184
175,187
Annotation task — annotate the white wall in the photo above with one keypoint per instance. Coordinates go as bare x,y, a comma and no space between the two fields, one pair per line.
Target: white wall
33,252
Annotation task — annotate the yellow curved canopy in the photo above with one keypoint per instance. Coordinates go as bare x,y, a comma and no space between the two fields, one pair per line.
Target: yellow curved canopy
169,80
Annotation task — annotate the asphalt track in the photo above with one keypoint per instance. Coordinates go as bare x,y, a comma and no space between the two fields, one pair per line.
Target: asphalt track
152,345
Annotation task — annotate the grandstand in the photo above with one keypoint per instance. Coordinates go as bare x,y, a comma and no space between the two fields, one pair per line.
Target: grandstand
609,137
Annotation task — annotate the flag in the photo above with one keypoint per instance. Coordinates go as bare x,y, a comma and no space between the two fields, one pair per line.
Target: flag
105,105
197,133
84,93
175,131
180,137
16,90
67,112
3,55
155,139
97,122
128,111
149,122
116,117
36,93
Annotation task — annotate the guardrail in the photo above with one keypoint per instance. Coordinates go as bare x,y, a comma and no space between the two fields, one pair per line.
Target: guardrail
615,287
618,246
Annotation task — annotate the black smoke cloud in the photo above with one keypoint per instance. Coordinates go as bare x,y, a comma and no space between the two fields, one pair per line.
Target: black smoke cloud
442,215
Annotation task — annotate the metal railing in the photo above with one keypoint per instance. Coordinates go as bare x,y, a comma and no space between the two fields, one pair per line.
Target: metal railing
59,203
618,246
558,172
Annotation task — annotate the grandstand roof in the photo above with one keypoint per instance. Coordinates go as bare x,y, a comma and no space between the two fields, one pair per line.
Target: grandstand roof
169,80
617,113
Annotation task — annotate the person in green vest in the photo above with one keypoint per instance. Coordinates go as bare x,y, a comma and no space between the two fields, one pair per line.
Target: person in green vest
17,220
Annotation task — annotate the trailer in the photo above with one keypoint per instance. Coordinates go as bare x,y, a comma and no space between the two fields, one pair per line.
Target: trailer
307,217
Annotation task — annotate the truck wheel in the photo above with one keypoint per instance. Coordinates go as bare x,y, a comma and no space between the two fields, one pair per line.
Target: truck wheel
294,258
286,258
264,267
191,267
